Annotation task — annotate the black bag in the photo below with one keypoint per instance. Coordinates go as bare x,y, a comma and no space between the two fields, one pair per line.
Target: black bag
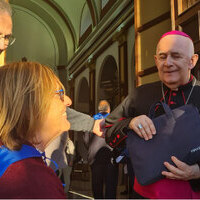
177,134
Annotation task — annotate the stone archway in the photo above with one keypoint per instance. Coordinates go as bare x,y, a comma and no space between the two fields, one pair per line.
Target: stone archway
109,82
82,104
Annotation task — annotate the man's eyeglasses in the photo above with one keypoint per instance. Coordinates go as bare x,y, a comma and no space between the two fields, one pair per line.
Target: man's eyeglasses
61,93
8,39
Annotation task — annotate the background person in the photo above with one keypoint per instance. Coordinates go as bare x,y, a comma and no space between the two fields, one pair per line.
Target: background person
174,59
32,114
70,155
61,159
6,37
100,157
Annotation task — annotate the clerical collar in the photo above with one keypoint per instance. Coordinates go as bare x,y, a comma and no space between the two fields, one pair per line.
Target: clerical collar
183,87
181,95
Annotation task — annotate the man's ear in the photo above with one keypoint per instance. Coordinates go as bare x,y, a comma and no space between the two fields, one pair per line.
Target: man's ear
194,60
155,59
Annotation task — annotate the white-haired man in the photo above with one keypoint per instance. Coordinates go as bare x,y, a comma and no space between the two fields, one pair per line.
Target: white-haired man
175,58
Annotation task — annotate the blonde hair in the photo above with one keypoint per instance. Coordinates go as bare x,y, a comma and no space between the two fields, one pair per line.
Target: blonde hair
26,90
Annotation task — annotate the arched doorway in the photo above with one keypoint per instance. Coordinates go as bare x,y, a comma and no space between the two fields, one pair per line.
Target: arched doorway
82,105
109,82
82,102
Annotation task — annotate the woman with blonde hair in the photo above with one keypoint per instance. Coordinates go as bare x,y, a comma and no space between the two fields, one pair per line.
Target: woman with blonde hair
32,114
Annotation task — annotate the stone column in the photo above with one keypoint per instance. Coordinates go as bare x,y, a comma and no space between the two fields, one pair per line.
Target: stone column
121,37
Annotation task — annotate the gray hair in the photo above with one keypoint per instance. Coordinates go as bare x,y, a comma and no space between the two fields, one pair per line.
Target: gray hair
5,7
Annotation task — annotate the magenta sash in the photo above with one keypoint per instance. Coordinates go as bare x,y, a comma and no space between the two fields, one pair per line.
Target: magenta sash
167,189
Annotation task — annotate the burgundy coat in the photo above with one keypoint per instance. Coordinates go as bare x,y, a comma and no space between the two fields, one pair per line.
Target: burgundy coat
29,179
